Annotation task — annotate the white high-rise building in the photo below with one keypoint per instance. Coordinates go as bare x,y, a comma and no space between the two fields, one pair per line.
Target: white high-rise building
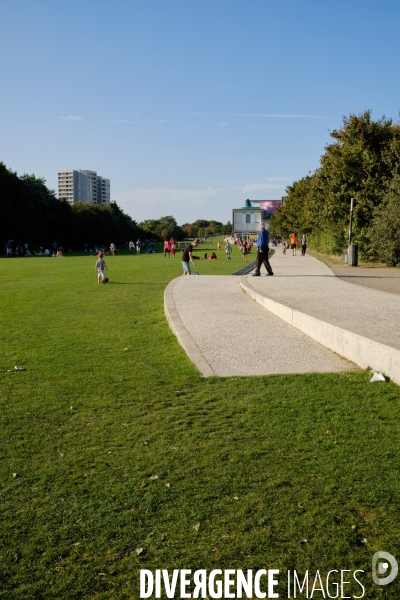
83,186
103,190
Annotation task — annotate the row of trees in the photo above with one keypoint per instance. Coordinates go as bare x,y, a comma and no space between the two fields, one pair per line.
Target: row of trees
362,163
167,227
31,213
202,228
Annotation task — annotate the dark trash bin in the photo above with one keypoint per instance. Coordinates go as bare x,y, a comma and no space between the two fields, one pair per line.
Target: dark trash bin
353,255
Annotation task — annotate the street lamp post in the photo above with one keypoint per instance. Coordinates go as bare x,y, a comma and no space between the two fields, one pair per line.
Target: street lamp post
352,251
351,219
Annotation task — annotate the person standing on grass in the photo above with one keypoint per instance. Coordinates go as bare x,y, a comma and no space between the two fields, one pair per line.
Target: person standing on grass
100,266
167,249
303,244
187,257
131,247
228,251
219,246
9,249
113,248
262,251
138,246
293,243
172,247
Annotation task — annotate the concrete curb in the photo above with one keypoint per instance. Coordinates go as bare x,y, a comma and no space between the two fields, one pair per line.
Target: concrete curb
251,266
362,350
182,334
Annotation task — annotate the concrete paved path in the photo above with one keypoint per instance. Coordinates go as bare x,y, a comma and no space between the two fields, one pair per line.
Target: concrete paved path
226,333
306,284
385,279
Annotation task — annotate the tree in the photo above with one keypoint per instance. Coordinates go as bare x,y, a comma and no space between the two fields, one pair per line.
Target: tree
227,229
360,164
384,234
190,230
201,223
31,213
215,227
163,228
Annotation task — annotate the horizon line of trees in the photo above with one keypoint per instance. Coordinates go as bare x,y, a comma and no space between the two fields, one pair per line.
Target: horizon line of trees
167,227
31,213
362,163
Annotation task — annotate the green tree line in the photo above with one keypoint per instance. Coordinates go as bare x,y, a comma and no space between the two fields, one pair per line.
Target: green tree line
362,163
167,227
202,228
31,213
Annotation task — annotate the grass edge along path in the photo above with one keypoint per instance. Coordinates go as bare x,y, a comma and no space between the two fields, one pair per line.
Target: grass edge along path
116,455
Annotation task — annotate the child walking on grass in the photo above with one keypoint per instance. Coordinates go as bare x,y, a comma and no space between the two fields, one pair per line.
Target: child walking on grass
100,266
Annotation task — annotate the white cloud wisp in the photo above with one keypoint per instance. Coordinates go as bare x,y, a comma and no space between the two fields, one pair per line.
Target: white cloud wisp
71,118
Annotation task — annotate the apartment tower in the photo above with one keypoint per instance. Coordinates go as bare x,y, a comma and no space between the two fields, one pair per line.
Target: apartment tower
83,186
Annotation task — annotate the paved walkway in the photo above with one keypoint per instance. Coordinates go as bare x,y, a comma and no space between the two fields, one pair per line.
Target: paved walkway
226,333
378,278
308,285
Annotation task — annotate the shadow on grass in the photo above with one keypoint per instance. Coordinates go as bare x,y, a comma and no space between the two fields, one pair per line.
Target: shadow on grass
135,283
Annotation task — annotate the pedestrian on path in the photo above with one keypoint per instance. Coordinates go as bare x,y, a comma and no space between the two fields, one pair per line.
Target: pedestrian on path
262,251
293,243
303,244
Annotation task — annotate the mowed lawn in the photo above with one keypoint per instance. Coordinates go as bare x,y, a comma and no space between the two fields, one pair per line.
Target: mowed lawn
117,456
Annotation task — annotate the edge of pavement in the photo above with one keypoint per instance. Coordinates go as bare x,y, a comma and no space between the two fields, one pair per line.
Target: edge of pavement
365,351
182,334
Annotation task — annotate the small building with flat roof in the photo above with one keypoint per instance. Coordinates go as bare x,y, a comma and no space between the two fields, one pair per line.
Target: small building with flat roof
246,220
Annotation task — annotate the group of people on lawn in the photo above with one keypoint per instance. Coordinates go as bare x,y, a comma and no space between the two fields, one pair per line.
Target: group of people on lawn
169,248
22,250
188,259
262,257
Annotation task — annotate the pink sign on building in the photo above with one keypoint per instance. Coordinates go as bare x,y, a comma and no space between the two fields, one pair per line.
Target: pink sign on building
270,205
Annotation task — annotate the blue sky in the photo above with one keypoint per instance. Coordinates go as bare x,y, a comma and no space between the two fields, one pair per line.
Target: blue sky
189,106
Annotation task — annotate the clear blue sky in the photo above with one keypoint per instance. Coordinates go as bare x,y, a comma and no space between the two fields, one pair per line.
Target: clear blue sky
189,106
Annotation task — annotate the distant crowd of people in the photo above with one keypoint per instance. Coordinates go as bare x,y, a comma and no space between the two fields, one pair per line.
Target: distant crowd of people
170,247
21,250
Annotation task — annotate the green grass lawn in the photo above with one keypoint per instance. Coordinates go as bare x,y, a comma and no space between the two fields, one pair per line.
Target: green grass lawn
111,443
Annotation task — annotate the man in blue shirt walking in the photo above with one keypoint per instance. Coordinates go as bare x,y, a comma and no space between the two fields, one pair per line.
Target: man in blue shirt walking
262,253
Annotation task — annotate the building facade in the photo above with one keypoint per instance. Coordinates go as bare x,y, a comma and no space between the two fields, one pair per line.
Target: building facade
83,186
246,220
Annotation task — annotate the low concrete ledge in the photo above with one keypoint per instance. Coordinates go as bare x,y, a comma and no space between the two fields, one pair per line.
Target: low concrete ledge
251,266
182,334
364,351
